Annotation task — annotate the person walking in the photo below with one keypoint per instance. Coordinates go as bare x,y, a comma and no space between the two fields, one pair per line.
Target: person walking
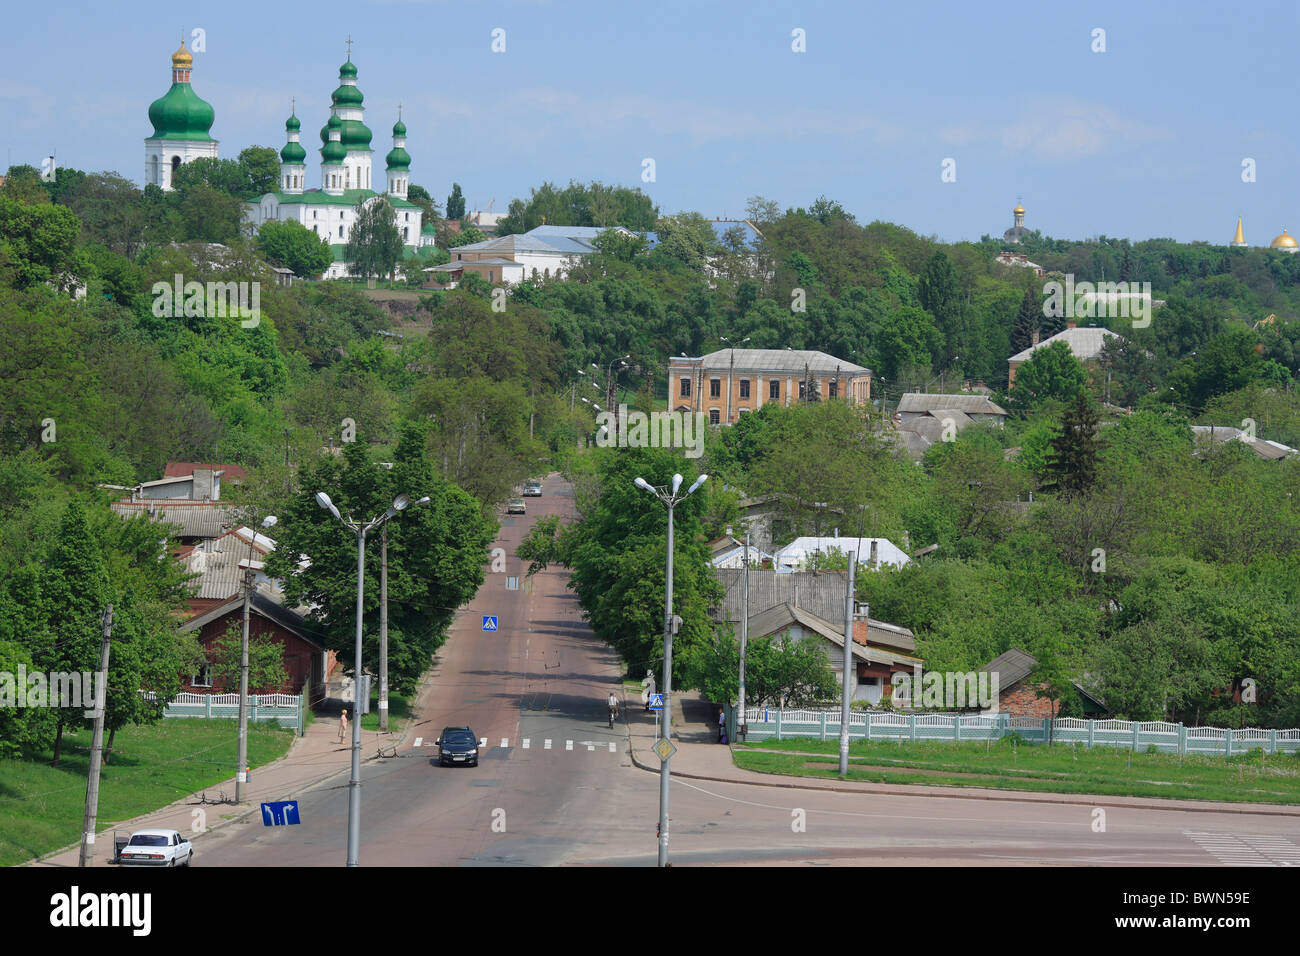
343,724
722,725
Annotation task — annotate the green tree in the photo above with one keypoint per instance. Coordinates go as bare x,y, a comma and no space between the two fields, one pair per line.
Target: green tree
294,246
1072,467
1029,318
266,671
36,242
261,168
1052,373
455,202
374,246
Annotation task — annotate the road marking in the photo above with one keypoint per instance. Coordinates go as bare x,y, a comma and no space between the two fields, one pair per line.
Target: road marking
418,741
568,745
483,742
505,741
613,747
590,747
547,744
526,741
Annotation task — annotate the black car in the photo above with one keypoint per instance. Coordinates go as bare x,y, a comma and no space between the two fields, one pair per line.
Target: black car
457,745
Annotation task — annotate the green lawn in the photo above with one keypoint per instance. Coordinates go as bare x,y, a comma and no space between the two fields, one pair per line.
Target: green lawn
41,807
1056,769
399,708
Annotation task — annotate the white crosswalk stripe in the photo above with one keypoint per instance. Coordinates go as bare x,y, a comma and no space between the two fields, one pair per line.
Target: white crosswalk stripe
1248,849
590,745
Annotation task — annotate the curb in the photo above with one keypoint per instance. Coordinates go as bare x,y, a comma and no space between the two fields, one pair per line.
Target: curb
995,796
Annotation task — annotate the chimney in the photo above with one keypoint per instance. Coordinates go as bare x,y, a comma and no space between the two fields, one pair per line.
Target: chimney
1034,338
874,542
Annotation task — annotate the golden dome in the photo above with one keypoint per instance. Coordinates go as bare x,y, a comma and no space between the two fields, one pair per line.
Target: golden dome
181,59
1019,210
1238,237
1283,241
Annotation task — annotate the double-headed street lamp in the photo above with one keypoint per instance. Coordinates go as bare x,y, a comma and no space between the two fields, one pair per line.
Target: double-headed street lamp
400,503
241,758
670,497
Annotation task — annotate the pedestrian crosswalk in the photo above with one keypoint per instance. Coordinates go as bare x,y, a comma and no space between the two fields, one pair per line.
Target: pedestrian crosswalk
1246,849
526,743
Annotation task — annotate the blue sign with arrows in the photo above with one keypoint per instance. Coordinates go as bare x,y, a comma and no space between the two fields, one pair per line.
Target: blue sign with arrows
281,813
489,623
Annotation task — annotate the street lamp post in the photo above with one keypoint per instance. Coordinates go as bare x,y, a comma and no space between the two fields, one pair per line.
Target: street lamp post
669,497
241,758
383,620
354,784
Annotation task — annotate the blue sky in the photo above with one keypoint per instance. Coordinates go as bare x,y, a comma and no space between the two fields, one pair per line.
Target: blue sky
1146,139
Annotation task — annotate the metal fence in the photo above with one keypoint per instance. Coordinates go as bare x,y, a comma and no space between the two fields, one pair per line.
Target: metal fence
763,723
286,709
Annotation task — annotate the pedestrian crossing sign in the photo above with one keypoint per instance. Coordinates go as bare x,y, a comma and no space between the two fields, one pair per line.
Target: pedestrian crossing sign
489,623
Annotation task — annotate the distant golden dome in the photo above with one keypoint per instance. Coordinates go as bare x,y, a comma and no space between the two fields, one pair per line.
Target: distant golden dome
1019,210
1284,242
181,59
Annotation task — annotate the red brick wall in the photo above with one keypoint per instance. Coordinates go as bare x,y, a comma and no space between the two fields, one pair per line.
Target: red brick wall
1023,701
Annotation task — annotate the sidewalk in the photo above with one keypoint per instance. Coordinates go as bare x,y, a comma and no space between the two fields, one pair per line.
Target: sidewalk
700,757
312,758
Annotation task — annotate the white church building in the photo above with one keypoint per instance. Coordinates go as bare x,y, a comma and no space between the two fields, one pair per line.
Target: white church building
181,134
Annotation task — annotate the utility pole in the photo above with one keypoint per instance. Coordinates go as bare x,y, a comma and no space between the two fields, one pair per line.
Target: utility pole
848,665
241,758
744,640
96,746
383,630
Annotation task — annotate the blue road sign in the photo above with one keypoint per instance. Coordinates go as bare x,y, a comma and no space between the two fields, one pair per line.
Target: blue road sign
656,701
489,623
279,814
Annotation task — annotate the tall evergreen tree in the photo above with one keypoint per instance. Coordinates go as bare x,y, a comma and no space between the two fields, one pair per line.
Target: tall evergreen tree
1029,319
1072,463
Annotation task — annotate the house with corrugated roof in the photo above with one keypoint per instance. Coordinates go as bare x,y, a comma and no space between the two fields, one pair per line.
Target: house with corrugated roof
1085,344
975,408
1205,436
879,649
541,252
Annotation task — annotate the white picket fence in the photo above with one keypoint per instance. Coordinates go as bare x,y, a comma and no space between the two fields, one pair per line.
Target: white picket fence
763,723
285,709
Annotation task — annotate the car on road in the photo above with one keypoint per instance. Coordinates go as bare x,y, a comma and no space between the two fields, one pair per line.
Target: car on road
516,507
532,488
157,848
457,745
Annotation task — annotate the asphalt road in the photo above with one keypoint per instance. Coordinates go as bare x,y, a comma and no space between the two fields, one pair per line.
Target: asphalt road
549,791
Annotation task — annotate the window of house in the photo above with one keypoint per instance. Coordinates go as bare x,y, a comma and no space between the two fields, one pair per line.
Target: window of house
774,389
803,387
715,418
715,387
686,391
744,388
204,676
835,390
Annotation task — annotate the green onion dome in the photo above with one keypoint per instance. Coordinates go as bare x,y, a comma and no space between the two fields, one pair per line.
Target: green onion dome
399,158
333,151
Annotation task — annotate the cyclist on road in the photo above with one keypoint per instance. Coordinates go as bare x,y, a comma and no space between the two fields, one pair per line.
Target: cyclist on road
613,707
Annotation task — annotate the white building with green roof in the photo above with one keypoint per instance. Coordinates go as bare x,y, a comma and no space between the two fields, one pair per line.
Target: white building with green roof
345,176
181,125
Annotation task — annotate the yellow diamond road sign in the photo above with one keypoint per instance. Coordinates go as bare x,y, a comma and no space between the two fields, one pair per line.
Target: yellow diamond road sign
665,748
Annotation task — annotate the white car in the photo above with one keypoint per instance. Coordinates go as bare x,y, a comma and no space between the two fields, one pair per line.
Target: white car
157,848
